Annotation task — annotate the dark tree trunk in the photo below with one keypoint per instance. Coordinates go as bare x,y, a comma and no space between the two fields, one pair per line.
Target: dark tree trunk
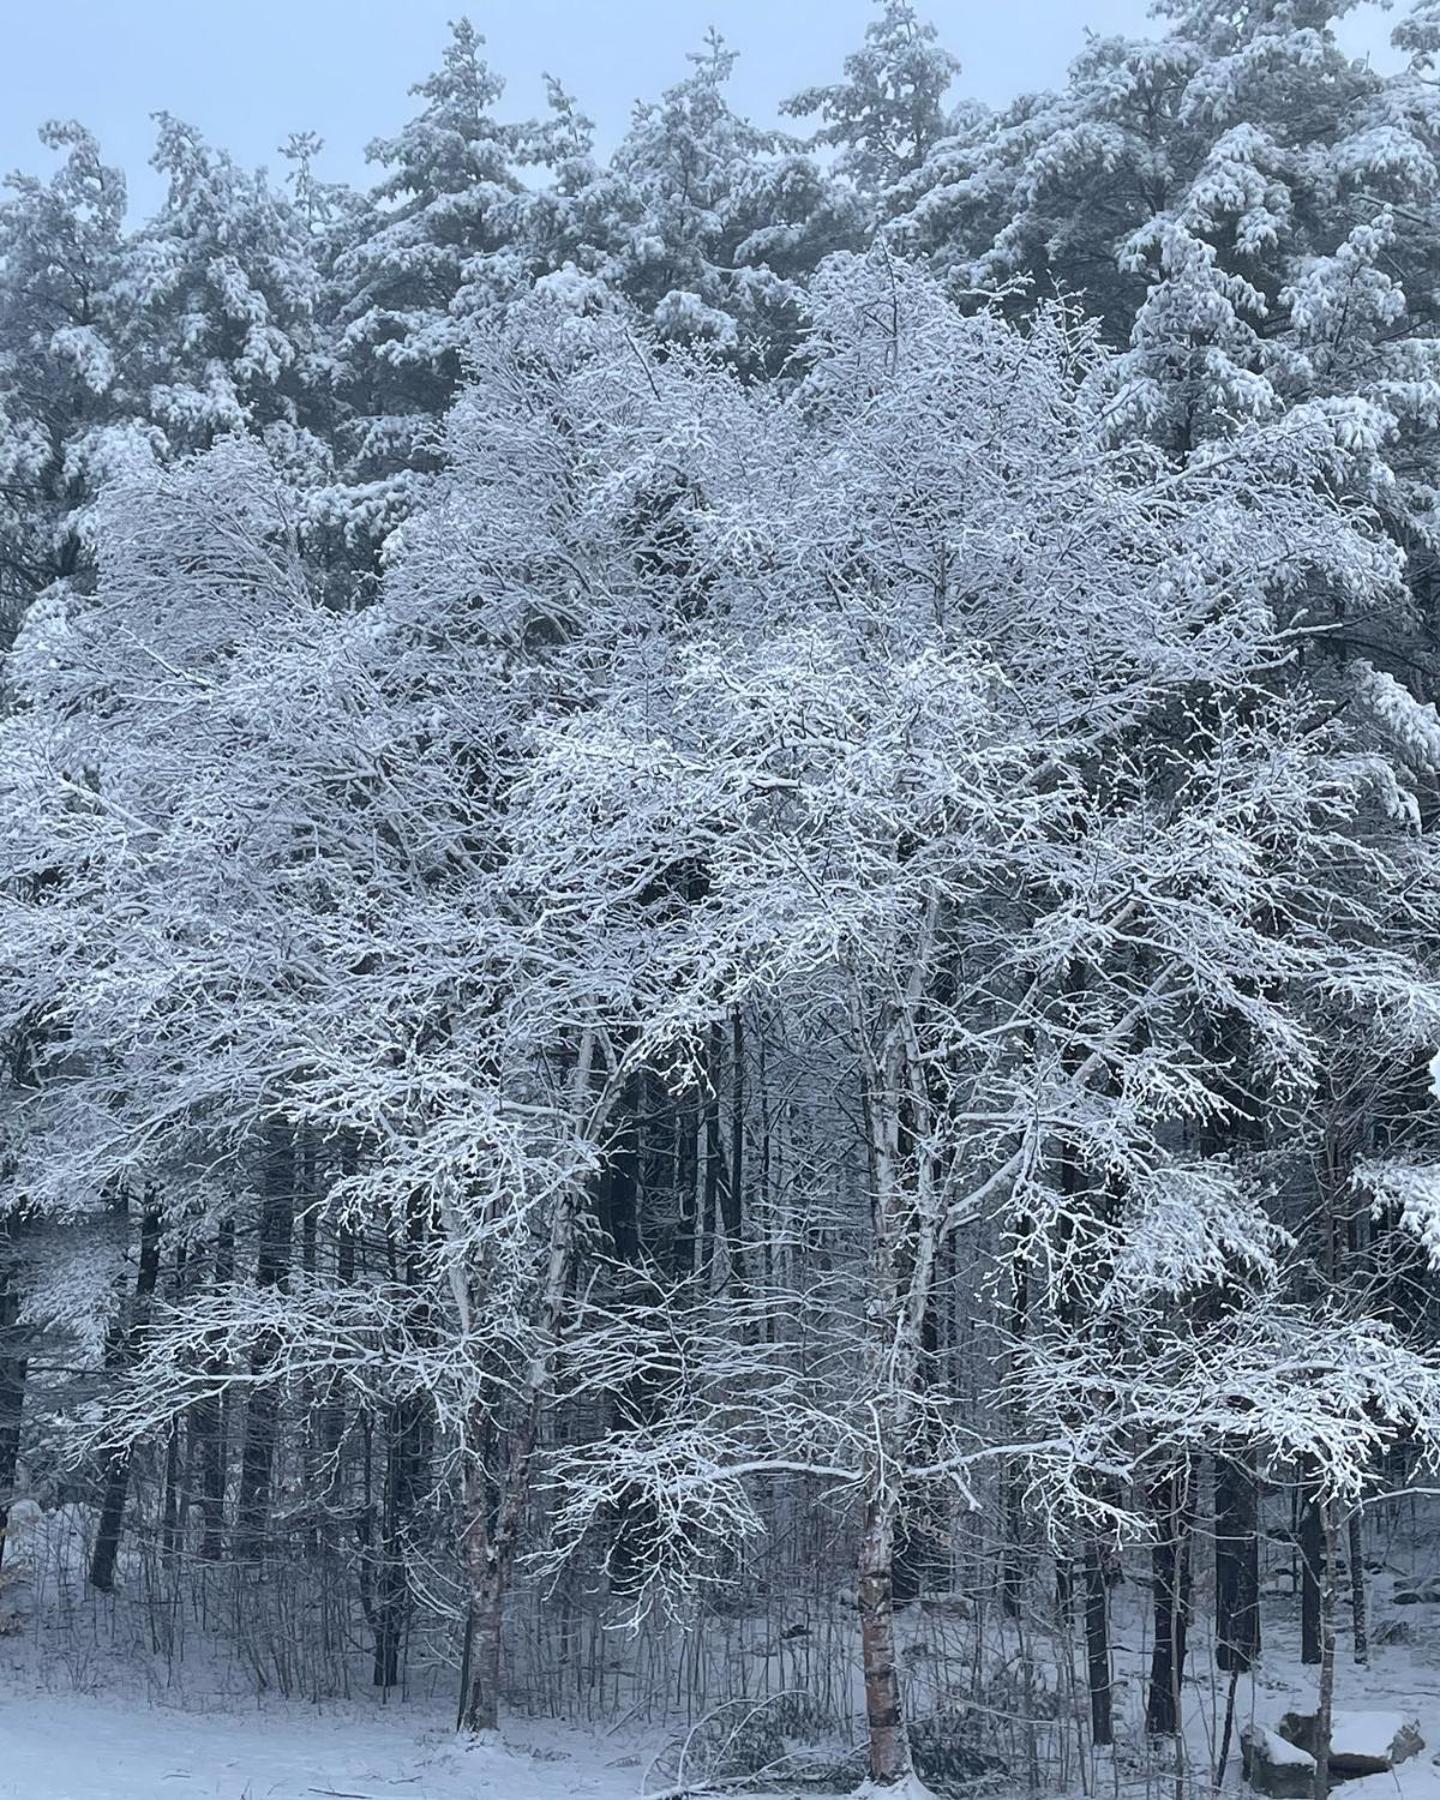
332,1412
405,1456
639,1165
684,1178
307,1166
170,1513
13,1366
716,1175
1015,1556
1312,1576
731,1195
619,1190
272,1268
208,1422
1097,1645
1360,1610
1170,1562
1237,1564
176,1483
117,1467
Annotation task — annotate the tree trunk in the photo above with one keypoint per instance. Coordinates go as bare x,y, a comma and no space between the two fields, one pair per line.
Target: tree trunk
683,1183
485,1637
1015,1557
486,1633
905,1208
1325,1513
171,1504
1355,1536
117,1472
1228,1730
176,1470
1312,1576
272,1267
890,1762
404,1461
12,1381
208,1422
715,1177
632,1167
332,1410
1237,1564
486,1554
731,1193
1170,1562
1097,1645
491,1533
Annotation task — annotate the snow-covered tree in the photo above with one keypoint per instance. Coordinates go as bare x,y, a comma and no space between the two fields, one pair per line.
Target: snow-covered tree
1240,200
60,313
311,813
890,111
223,287
434,248
682,911
918,783
706,223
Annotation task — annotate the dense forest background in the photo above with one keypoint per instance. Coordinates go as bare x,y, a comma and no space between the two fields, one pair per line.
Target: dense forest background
720,897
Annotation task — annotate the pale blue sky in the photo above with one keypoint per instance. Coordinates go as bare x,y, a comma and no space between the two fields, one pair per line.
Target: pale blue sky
247,72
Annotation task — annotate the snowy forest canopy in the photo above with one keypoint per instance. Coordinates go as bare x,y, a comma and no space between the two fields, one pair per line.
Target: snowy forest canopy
720,883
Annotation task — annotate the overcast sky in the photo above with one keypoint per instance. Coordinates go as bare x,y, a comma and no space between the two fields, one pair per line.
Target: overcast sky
248,72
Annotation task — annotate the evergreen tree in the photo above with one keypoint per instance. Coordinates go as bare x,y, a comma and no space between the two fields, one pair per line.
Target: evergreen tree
714,221
1245,207
60,399
224,289
435,246
890,111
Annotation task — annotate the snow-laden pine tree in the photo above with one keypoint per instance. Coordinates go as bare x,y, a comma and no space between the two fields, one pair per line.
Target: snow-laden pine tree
708,224
1242,202
61,418
222,287
891,109
434,247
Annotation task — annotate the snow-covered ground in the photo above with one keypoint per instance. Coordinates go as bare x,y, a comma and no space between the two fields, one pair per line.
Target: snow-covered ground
80,1746
87,1747
104,1727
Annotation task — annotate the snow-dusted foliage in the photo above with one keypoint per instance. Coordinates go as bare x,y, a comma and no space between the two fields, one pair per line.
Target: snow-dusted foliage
60,244
720,860
1245,205
686,703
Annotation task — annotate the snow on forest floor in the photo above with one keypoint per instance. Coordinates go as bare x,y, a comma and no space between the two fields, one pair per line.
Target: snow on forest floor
1403,1678
89,1747
84,1746
70,1730
57,1745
